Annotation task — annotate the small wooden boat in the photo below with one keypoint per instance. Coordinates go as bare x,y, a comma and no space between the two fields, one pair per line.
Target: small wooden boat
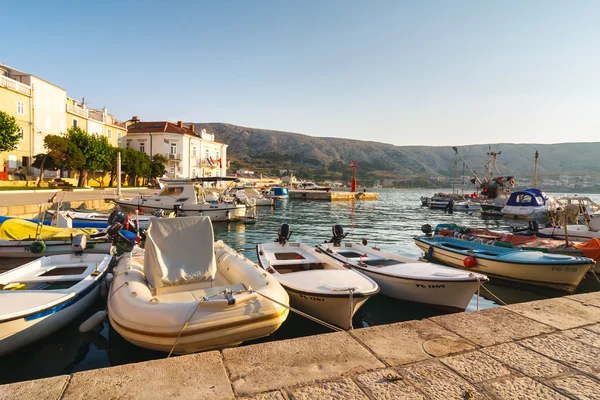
556,271
40,297
185,293
317,284
406,279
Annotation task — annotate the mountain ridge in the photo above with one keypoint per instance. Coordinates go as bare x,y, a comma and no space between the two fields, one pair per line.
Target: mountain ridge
278,149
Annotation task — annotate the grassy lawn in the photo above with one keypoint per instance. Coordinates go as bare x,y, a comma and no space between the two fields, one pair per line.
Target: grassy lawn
9,188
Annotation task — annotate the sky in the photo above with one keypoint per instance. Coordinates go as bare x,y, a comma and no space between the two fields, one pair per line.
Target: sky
402,72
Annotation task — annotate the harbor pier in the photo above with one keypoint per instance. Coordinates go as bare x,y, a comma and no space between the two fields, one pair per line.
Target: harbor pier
546,349
331,195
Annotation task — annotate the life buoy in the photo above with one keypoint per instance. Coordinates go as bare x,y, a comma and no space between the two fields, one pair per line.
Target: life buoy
469,262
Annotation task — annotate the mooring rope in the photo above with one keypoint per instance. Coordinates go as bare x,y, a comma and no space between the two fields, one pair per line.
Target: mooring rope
185,325
325,324
496,297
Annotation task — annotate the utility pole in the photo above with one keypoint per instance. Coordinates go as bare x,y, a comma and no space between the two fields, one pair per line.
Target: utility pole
119,174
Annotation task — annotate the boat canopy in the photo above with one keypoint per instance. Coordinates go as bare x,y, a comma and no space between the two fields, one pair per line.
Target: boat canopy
20,229
179,251
527,198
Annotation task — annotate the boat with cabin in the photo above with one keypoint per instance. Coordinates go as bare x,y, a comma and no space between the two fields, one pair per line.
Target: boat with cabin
527,204
187,197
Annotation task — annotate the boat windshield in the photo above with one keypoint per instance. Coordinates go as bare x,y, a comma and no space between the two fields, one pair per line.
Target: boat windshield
171,191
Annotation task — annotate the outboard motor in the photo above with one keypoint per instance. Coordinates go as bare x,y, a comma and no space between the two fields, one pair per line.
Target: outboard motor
178,209
426,229
78,244
338,235
283,234
117,216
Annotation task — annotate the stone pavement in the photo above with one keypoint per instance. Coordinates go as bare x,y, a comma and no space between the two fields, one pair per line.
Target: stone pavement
547,349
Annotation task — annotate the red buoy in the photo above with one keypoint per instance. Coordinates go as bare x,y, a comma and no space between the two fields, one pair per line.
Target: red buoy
469,262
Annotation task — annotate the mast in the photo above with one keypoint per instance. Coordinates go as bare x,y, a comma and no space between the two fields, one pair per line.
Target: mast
455,168
535,170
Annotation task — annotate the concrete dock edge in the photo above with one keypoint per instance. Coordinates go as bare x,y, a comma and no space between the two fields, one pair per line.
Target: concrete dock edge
542,349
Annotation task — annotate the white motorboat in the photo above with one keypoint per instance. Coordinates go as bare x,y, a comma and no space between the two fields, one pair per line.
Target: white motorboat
404,278
252,196
527,204
317,285
24,239
467,206
187,196
40,297
93,219
185,293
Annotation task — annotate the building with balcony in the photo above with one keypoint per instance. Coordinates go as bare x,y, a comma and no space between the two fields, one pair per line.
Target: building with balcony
190,153
92,121
16,100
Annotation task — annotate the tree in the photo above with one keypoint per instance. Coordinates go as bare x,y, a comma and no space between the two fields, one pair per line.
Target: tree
62,153
9,132
136,165
96,151
157,166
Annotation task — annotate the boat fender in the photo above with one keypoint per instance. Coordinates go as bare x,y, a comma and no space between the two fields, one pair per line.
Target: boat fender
429,253
37,247
469,262
103,289
93,321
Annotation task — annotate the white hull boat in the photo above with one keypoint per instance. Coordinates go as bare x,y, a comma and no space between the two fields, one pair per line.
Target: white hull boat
317,284
44,295
253,197
410,280
187,197
80,218
577,233
184,293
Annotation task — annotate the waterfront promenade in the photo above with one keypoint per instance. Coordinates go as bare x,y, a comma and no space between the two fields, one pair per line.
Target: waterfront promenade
547,349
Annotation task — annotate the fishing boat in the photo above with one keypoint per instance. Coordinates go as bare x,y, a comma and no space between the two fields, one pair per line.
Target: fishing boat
20,238
185,293
398,276
527,204
317,284
404,278
443,201
42,296
556,271
254,197
187,196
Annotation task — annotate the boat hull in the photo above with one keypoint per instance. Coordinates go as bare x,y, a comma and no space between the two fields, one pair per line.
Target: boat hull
448,295
216,214
556,276
23,331
336,309
22,249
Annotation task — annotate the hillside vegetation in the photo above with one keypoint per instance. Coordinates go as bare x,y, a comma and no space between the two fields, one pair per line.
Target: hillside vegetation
266,150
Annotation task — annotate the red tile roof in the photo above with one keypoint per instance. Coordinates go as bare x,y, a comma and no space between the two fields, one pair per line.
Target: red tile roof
160,126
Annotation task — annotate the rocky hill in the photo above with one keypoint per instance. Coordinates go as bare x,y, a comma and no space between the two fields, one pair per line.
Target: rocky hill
262,148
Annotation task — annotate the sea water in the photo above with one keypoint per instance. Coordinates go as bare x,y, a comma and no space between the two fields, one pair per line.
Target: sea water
389,223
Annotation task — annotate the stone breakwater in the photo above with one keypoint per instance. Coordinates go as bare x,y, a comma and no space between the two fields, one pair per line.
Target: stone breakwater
547,349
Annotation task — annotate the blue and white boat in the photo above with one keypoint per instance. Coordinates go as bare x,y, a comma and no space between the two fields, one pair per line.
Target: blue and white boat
556,271
42,296
279,193
528,204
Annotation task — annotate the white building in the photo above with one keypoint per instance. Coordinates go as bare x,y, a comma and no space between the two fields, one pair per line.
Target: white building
190,153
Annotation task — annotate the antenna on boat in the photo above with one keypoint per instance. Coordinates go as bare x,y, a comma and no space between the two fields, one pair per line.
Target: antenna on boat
455,168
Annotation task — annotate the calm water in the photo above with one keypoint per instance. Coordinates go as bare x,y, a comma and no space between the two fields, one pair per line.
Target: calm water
389,223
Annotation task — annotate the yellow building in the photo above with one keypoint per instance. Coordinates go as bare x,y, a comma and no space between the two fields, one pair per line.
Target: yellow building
16,100
76,115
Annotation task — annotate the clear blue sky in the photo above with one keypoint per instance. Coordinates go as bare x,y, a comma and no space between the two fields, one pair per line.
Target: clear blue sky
401,72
